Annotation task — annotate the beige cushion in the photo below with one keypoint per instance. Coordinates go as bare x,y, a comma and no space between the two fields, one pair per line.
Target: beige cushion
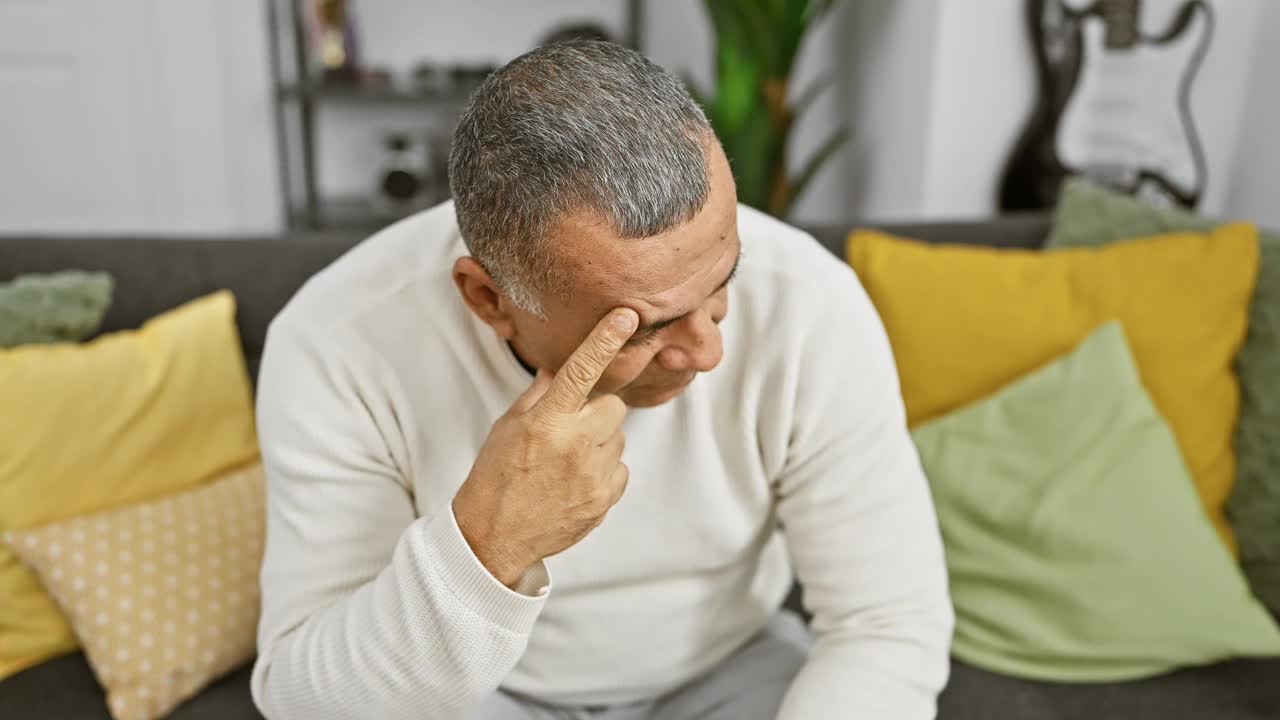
163,595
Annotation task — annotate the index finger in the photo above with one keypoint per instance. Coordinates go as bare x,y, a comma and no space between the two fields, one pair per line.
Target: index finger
571,387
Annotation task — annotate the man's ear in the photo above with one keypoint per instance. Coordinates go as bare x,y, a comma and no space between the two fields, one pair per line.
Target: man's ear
481,294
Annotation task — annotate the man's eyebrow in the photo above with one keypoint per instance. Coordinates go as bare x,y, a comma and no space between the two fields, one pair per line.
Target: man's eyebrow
649,328
732,272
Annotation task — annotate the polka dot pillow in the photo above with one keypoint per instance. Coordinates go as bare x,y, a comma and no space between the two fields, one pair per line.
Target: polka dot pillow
163,595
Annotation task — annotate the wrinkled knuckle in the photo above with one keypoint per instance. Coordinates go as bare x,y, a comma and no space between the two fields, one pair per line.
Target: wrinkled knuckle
579,374
526,457
602,351
537,429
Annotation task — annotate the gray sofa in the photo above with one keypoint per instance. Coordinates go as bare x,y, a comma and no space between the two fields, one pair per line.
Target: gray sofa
154,274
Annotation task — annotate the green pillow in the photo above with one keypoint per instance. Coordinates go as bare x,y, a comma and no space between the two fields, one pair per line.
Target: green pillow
58,307
1090,215
1077,547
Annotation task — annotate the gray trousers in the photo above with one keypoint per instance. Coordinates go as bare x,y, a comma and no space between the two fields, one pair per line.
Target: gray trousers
749,685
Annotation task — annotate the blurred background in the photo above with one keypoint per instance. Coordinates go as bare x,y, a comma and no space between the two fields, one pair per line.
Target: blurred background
224,118
172,171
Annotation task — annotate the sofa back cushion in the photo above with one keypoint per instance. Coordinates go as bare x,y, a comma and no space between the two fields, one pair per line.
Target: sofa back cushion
155,274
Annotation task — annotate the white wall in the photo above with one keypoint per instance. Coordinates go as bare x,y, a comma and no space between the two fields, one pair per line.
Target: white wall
126,116
888,80
982,87
1254,186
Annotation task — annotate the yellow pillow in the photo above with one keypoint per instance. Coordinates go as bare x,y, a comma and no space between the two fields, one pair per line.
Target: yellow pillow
124,418
964,321
164,594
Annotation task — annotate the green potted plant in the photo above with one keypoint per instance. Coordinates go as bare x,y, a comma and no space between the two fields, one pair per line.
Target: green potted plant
756,43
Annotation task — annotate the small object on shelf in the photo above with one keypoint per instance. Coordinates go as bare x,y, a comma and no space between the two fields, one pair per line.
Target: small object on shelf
436,168
399,186
334,40
325,67
431,79
466,78
376,78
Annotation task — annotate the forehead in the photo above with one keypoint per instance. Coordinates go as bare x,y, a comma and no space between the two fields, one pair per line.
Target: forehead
661,276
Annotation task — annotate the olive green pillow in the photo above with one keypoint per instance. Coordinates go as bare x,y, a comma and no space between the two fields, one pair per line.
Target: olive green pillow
1090,215
59,307
1077,547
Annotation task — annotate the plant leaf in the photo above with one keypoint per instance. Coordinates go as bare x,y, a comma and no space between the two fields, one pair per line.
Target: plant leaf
802,16
729,24
809,94
738,81
756,42
737,72
792,23
811,166
749,150
763,37
816,9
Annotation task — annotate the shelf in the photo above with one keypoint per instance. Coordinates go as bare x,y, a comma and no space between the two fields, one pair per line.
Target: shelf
375,94
353,212
443,89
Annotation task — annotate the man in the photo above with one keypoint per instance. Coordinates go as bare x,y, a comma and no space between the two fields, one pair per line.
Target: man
505,482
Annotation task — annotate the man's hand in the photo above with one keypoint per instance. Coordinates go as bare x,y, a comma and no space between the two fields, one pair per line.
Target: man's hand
552,465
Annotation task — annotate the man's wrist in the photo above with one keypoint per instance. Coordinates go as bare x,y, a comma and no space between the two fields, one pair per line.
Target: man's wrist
504,568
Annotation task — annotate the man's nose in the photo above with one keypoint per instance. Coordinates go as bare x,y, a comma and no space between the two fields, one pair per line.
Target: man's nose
695,345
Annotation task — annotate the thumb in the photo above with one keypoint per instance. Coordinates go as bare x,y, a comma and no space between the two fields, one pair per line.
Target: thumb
533,393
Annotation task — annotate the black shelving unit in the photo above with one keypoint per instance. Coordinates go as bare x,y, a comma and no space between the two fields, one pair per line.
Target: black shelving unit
317,93
298,99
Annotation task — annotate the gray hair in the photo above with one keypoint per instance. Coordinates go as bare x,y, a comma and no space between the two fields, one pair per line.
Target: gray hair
579,126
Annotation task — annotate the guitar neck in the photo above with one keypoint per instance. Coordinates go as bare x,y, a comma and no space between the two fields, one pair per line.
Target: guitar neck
1121,18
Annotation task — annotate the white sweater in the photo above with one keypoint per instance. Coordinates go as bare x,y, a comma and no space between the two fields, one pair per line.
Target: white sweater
378,387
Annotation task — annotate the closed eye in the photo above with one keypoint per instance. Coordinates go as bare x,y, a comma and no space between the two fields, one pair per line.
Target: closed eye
648,332
644,336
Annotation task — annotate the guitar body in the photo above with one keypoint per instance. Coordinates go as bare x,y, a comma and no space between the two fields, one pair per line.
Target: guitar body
1113,106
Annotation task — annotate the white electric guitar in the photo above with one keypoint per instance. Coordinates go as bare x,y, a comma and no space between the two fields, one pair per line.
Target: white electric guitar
1115,103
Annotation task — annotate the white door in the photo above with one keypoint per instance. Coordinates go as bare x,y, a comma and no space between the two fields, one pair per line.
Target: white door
124,116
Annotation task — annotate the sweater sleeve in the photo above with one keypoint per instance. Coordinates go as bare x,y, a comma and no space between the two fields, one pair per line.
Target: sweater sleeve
366,611
856,510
